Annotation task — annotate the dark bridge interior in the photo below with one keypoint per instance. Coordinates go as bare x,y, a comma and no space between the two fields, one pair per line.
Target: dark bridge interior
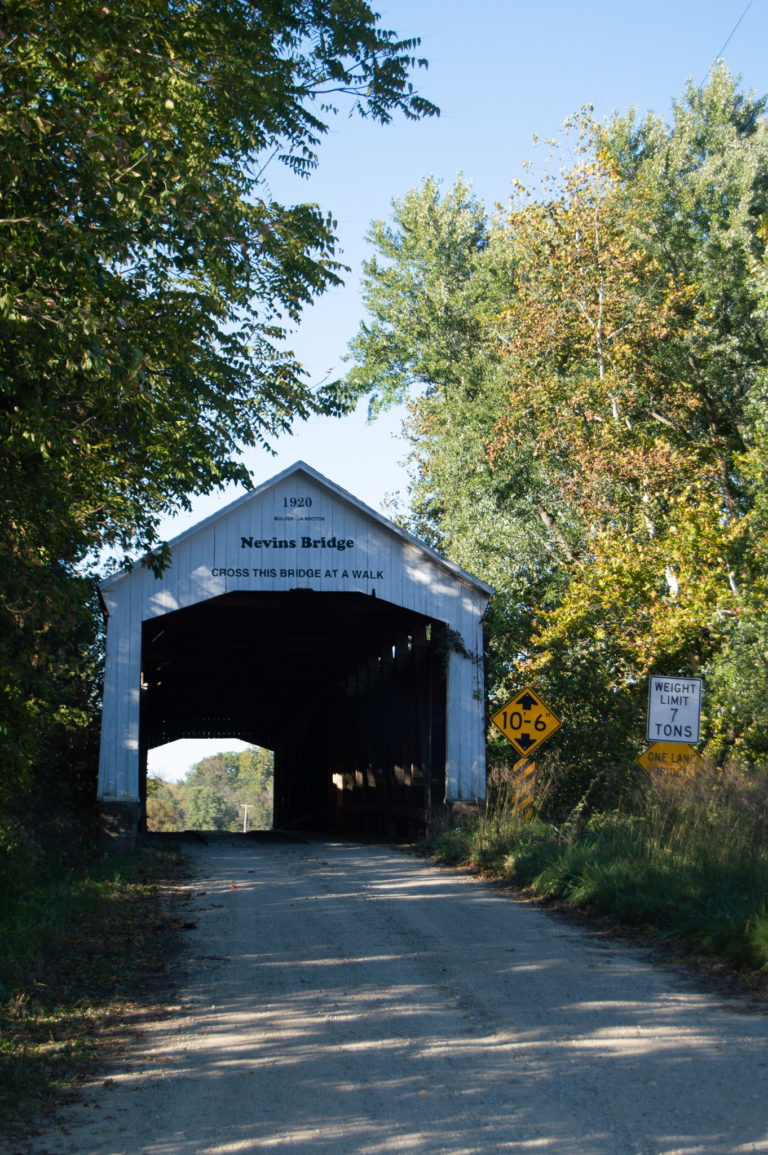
346,689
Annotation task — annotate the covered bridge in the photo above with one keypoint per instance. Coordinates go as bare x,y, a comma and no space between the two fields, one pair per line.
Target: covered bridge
299,619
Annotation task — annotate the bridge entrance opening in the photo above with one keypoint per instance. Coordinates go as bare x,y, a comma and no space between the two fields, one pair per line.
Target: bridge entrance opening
347,689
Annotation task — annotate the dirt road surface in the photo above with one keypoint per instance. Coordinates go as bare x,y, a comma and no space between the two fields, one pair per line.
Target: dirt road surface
342,998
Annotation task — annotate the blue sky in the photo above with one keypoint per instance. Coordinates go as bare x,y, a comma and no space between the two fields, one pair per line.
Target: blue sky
501,71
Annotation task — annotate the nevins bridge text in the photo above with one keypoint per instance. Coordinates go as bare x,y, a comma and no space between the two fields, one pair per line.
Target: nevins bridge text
338,543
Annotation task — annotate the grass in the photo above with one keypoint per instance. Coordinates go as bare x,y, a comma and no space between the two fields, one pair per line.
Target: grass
686,861
80,948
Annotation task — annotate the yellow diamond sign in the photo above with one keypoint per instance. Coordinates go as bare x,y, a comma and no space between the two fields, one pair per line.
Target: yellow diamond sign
674,757
525,721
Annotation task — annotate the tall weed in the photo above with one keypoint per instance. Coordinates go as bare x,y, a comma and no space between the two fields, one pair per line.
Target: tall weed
684,856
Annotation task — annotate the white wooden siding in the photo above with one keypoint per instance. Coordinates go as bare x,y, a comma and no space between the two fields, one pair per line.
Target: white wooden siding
211,559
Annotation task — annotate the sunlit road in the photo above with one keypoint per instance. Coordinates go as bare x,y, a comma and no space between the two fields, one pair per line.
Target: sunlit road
347,998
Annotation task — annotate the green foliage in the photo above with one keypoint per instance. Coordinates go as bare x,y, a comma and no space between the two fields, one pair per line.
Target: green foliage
422,294
215,793
441,275
588,422
49,730
737,673
147,273
737,686
149,280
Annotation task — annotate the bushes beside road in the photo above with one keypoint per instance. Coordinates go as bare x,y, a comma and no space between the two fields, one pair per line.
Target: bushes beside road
685,859
82,943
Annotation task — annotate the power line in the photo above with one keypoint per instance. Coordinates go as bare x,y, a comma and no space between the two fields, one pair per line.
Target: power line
728,41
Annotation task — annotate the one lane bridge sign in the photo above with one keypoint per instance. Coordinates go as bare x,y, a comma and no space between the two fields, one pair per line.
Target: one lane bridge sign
525,721
674,709
671,757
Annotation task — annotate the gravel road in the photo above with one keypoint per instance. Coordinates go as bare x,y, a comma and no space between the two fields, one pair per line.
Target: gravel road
344,998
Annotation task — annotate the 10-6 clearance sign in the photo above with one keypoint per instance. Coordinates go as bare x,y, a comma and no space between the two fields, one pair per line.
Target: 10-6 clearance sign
525,721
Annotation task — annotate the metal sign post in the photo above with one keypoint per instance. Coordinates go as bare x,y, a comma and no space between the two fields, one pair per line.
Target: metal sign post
524,777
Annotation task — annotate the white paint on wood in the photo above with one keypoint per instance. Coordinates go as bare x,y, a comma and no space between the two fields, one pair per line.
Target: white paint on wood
297,531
